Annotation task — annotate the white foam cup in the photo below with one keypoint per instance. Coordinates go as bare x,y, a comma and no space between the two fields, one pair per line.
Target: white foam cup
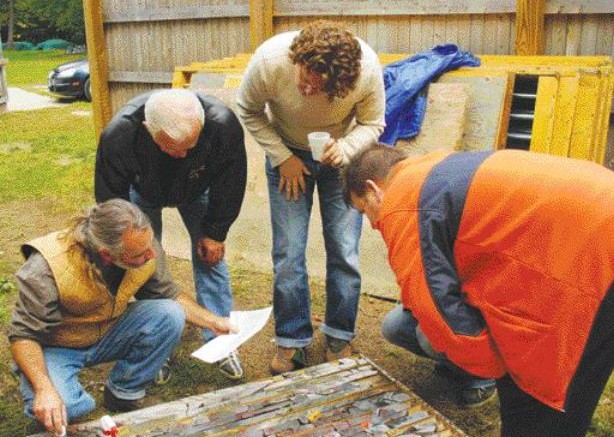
317,141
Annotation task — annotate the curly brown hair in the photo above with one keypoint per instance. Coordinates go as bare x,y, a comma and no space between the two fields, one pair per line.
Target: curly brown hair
331,51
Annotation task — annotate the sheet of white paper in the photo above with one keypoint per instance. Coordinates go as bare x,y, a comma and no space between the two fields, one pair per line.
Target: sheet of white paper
248,323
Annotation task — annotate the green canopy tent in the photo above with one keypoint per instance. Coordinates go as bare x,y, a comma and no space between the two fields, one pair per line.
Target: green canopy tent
53,44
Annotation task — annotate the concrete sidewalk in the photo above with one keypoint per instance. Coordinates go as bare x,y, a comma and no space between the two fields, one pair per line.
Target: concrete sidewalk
21,100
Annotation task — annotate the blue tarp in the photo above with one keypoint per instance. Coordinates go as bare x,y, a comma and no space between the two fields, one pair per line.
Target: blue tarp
404,80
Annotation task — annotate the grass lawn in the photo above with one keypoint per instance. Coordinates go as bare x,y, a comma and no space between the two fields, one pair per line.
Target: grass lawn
27,68
46,156
48,152
46,175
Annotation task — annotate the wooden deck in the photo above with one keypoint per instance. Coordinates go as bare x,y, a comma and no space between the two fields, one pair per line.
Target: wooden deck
351,397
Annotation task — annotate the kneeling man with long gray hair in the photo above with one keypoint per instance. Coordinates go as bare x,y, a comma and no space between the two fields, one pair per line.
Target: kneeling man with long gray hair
97,292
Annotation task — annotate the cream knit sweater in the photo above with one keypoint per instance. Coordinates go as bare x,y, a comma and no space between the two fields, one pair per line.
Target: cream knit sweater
277,115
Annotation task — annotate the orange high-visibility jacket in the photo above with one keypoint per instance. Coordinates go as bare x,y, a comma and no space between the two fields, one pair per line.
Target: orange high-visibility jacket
503,258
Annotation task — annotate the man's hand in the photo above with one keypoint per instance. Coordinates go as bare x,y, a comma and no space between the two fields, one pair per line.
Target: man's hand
47,406
332,155
210,251
221,325
203,318
291,177
50,410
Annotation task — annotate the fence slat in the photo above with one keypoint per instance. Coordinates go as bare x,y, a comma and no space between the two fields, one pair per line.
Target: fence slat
177,13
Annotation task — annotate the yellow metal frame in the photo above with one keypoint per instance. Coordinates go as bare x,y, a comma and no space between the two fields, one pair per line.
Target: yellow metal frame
572,107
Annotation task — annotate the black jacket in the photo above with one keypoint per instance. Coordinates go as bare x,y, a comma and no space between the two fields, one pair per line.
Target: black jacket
127,156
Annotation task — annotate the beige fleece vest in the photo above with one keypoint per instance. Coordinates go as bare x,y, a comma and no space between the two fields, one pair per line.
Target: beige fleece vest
88,310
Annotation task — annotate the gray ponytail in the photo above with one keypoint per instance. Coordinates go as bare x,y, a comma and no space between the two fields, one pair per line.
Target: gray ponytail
104,225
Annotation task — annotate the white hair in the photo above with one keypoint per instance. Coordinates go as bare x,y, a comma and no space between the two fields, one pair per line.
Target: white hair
173,111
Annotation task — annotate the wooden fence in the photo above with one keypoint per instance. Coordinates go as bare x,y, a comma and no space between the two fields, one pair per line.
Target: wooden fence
135,46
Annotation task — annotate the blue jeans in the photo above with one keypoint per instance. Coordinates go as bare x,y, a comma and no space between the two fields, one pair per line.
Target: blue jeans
212,283
140,341
402,329
342,226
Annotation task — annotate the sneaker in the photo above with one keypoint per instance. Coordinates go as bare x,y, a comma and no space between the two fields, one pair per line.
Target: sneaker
475,397
337,349
164,374
113,403
288,359
230,366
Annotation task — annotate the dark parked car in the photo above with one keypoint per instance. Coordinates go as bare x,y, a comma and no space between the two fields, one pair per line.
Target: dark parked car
71,80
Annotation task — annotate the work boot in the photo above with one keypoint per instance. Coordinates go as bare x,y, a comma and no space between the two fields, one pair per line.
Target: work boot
288,359
470,396
337,349
230,366
115,404
476,396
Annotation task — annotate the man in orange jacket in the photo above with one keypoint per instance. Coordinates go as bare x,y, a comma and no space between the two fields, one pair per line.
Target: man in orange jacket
505,262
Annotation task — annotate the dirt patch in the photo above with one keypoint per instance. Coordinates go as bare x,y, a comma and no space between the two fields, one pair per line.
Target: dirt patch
65,161
82,113
15,147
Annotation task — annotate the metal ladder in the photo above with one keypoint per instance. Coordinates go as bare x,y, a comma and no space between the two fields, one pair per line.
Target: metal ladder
522,113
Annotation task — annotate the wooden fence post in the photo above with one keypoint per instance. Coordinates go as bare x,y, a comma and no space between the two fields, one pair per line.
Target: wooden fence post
260,22
99,69
530,27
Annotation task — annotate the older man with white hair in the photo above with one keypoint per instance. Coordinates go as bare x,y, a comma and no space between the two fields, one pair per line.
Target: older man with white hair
178,148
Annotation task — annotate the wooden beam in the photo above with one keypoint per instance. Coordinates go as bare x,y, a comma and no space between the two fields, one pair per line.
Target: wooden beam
506,109
600,145
563,115
161,77
288,8
579,7
543,123
586,118
260,22
347,8
177,13
530,27
99,68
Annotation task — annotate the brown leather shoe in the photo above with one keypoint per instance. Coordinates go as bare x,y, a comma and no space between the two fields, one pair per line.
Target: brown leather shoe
337,349
288,359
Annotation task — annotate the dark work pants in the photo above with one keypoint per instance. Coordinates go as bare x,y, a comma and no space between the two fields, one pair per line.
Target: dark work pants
524,416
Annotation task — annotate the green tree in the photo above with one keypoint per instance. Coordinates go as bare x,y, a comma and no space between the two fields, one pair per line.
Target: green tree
10,38
38,20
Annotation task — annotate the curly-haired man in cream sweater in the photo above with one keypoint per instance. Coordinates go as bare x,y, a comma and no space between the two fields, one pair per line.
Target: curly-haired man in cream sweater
322,78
